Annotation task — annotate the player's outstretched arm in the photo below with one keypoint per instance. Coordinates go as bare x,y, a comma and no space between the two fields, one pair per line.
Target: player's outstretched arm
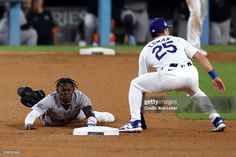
216,81
29,120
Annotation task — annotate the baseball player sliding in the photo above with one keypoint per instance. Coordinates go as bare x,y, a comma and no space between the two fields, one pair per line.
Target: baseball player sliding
62,107
198,11
171,57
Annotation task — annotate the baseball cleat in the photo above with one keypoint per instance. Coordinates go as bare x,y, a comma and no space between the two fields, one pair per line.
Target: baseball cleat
218,124
132,126
104,117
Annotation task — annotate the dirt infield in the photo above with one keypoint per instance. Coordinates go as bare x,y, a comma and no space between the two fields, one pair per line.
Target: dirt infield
105,79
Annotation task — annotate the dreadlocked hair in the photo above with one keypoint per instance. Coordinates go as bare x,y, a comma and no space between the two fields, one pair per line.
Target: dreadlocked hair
60,82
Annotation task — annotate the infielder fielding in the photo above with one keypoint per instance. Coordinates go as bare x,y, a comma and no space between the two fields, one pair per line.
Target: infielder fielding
61,107
171,57
198,11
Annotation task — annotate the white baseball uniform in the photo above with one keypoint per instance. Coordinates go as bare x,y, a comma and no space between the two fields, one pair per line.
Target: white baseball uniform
52,113
171,57
198,10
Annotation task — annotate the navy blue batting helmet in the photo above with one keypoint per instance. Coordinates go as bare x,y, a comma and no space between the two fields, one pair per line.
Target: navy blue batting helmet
157,25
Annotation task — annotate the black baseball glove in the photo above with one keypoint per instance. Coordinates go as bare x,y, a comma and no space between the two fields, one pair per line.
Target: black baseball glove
29,97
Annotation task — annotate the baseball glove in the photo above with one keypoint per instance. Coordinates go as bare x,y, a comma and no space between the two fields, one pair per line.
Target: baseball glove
29,97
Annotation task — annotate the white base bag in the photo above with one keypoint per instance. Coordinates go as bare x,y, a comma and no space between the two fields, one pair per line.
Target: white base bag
96,130
97,50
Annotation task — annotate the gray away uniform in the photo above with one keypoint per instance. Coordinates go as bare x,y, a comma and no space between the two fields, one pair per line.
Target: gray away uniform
53,113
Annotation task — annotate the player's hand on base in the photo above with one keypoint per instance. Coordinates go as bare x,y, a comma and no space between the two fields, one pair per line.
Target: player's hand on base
92,121
218,84
28,127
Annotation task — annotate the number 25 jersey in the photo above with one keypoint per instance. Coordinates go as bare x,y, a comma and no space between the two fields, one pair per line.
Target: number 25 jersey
164,50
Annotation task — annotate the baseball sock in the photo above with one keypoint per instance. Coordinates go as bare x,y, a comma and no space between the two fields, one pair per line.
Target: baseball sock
205,104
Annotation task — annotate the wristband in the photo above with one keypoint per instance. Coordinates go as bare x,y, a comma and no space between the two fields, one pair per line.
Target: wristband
213,74
92,121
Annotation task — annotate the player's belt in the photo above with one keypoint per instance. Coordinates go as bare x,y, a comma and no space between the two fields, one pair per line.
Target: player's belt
181,65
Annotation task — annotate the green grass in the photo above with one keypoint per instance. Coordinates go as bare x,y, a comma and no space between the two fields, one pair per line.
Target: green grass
218,48
226,70
202,116
66,48
118,48
62,48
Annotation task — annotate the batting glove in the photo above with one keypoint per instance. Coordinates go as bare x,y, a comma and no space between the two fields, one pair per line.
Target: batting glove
92,121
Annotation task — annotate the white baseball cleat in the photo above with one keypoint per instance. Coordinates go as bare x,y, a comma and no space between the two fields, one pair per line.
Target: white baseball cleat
132,126
104,117
218,124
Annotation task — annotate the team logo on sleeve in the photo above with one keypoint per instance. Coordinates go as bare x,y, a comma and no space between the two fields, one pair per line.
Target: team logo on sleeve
41,106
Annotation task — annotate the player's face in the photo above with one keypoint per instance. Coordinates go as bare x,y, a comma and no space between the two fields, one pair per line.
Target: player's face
65,93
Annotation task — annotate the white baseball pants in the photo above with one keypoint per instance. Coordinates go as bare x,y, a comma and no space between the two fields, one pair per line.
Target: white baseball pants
181,78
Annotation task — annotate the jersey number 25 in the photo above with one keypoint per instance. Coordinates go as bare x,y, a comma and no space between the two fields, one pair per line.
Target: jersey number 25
161,50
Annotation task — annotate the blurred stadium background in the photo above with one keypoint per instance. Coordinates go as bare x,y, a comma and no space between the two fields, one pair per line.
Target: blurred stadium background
69,14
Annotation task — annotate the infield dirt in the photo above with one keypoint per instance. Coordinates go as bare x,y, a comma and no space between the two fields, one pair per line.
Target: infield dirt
105,79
